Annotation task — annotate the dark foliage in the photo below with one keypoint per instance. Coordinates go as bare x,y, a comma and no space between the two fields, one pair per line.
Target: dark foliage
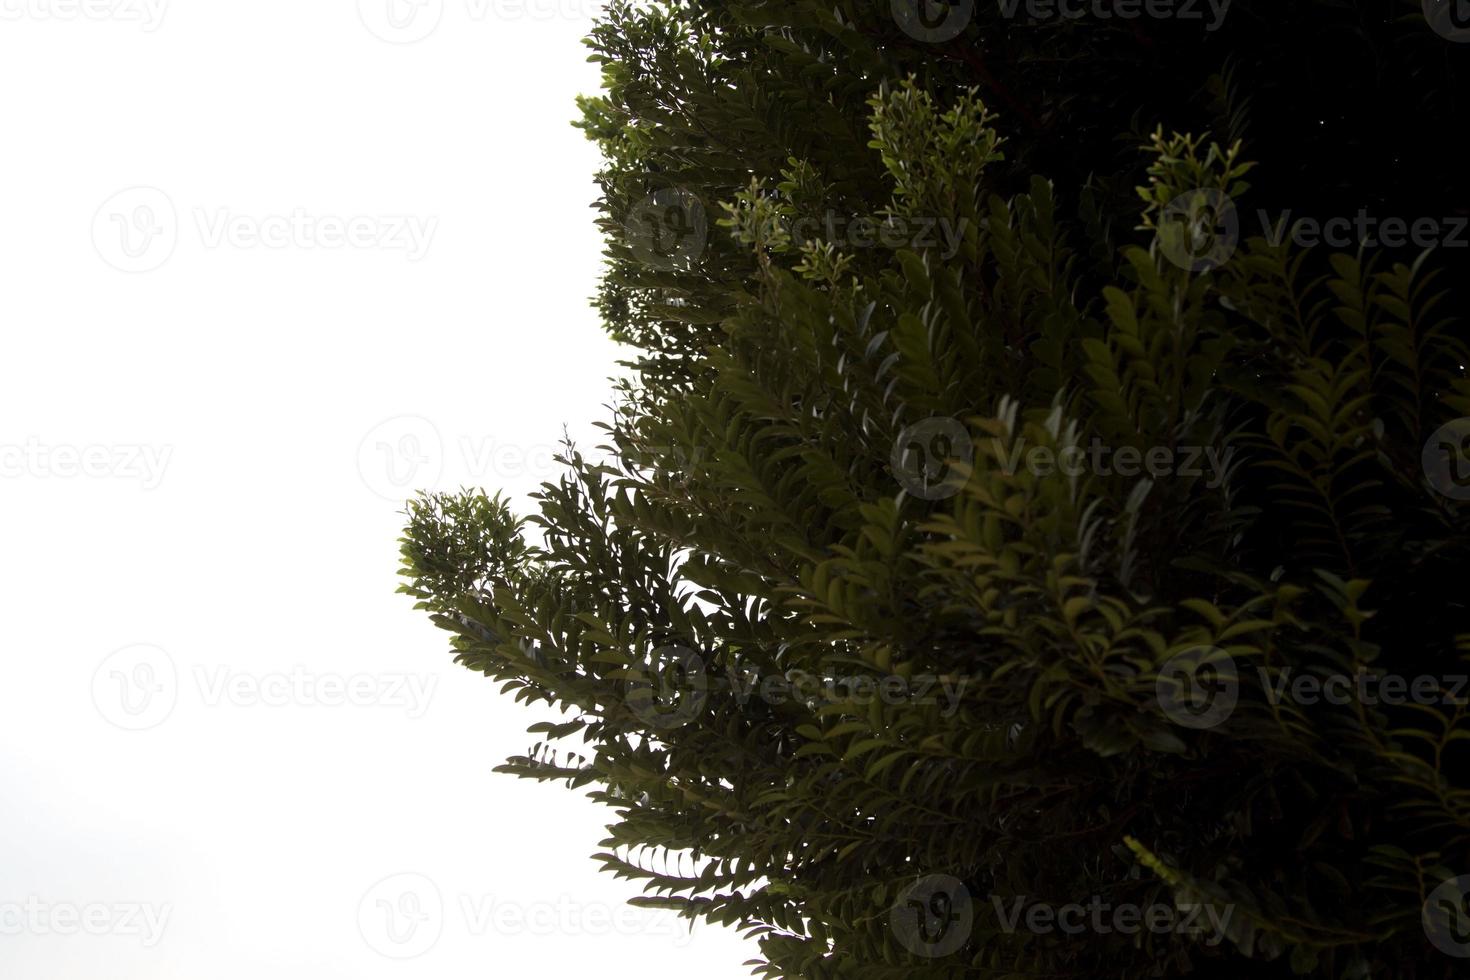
770,503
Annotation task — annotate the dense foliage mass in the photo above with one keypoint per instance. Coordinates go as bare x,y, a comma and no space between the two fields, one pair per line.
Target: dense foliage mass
988,529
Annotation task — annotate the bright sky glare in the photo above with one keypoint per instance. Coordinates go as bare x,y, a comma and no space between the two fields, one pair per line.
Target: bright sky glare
268,267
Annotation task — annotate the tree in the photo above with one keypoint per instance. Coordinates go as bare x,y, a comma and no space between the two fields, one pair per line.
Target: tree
1031,551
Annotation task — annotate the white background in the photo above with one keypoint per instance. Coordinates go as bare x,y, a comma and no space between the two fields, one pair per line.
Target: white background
201,462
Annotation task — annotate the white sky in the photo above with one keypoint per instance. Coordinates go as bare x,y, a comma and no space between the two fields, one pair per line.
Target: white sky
195,463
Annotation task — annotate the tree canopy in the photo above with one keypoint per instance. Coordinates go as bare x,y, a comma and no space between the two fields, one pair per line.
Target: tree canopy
1028,496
